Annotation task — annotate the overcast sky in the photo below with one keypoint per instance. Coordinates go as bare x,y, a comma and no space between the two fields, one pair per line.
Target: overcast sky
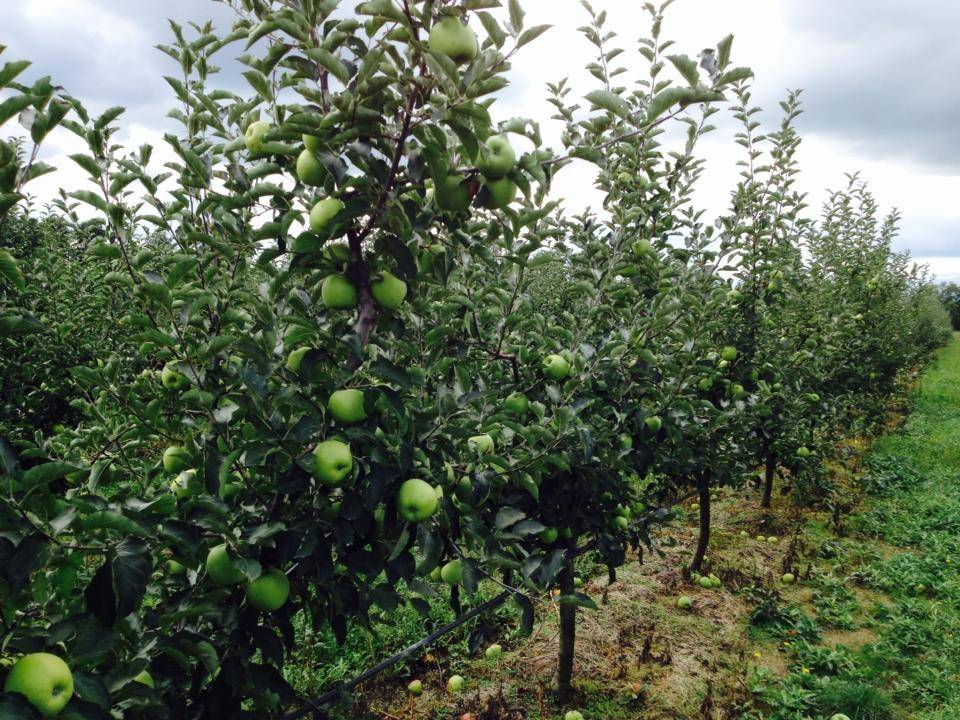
880,95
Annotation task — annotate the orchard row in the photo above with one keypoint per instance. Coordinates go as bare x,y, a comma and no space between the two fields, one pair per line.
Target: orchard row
346,352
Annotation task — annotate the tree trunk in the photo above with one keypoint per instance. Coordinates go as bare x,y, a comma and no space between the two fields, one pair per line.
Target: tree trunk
703,540
568,633
769,469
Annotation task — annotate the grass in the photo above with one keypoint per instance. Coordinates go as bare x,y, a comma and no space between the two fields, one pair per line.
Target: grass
871,629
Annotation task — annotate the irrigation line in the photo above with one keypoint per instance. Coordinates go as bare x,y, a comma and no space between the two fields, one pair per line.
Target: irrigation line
317,703
331,695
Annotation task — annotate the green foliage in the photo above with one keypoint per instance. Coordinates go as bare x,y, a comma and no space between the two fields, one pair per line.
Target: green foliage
208,266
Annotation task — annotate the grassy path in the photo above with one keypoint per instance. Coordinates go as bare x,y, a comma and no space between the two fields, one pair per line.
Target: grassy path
871,628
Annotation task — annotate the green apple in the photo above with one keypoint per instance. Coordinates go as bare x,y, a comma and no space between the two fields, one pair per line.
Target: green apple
566,533
333,462
416,500
453,194
186,484
761,538
573,715
621,522
44,679
338,293
253,137
310,171
744,533
144,678
452,572
269,591
331,511
578,582
787,578
642,248
548,536
175,567
172,379
455,683
493,652
452,38
516,403
312,143
556,367
435,575
737,391
653,423
625,440
839,716
482,444
175,459
323,212
729,353
337,253
464,490
415,688
705,582
295,358
803,452
684,603
705,384
502,192
497,158
221,568
389,291
772,539
346,406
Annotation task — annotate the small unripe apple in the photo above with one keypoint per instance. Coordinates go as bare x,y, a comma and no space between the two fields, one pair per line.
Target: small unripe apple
338,293
295,358
176,459
452,38
501,192
803,452
388,291
573,715
761,538
772,539
516,403
455,683
186,484
453,194
269,592
548,536
323,212
493,652
175,567
787,578
642,248
621,522
684,603
497,158
744,533
44,680
253,137
416,500
221,568
310,171
625,440
346,406
653,423
333,462
556,367
705,582
482,444
452,572
464,489
172,379
415,688
839,716
729,353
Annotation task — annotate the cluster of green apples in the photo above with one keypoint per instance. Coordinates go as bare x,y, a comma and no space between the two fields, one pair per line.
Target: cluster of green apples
707,582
